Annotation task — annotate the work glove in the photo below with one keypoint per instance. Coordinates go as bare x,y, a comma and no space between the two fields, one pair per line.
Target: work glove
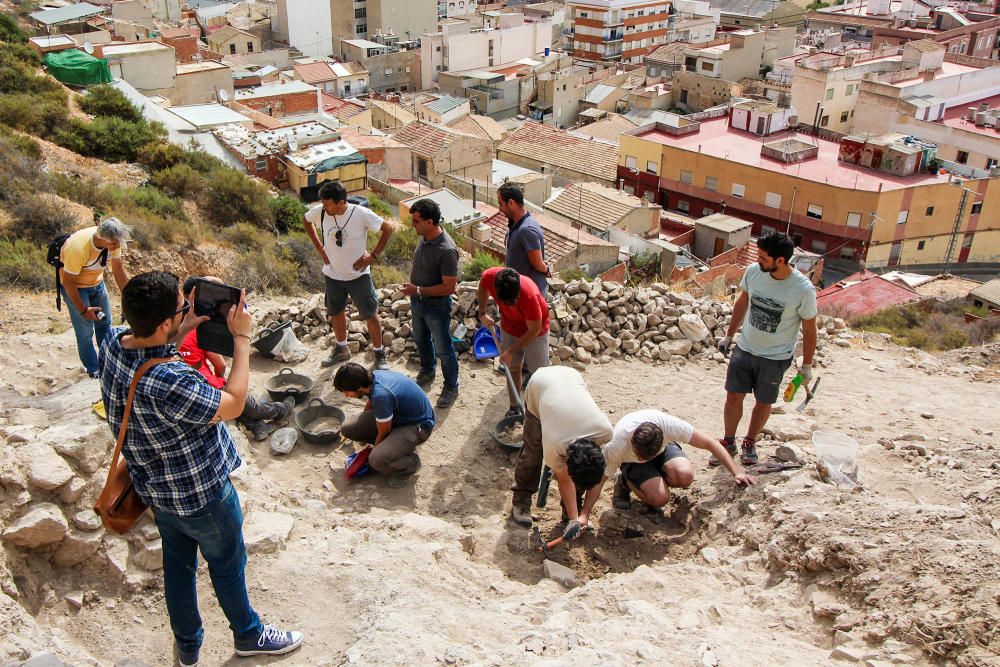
725,343
806,371
572,531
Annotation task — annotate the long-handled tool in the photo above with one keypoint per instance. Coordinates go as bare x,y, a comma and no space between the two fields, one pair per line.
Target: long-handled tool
542,545
506,371
543,486
809,395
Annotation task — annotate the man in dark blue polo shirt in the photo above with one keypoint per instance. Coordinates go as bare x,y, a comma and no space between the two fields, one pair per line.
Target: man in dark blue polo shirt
180,454
525,243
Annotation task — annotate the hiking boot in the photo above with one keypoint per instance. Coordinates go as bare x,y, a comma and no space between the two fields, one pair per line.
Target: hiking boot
424,380
748,457
447,397
338,354
259,429
285,409
271,641
521,516
186,658
380,364
622,497
731,448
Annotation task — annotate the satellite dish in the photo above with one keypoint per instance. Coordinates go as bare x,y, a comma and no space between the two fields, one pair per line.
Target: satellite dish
88,47
223,96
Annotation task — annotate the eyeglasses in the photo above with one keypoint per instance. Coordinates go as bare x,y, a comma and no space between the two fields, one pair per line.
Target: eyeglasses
183,309
339,238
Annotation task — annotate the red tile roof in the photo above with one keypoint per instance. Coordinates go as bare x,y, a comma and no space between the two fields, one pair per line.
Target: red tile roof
863,293
558,148
560,238
314,72
425,139
174,33
342,110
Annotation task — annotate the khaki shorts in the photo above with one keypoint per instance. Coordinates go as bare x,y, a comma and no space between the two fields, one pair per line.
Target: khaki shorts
534,356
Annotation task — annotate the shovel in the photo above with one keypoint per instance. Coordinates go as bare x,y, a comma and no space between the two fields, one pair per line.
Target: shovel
506,371
541,545
809,395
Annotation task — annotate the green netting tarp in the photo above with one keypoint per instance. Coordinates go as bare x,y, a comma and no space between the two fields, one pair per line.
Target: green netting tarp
77,68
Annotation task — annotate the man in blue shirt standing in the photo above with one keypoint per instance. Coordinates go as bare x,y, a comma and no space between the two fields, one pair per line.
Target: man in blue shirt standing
525,242
396,418
180,454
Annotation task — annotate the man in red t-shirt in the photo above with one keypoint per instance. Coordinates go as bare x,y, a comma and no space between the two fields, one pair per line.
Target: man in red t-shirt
256,414
524,322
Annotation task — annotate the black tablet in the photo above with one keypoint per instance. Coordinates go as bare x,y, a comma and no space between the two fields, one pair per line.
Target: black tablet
215,299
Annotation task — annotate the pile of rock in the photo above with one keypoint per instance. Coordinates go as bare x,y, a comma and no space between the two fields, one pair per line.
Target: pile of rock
591,322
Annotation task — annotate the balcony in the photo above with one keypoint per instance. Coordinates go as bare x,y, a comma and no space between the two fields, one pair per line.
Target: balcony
615,36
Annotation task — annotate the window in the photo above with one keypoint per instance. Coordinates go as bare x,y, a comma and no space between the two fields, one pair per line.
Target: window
772,199
991,162
829,93
683,206
850,89
260,164
712,183
825,120
232,49
843,117
920,245
650,165
976,208
707,67
438,49
738,190
847,253
819,246
360,13
901,218
962,157
630,161
249,47
437,67
706,211
684,97
388,71
687,176
853,219
930,211
814,211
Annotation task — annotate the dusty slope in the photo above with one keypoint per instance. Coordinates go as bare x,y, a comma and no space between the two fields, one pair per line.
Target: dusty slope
431,574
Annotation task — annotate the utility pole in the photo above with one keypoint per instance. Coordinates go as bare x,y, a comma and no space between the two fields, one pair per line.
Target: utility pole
953,241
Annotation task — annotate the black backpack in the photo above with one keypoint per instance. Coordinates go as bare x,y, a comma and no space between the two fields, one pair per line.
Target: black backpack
54,259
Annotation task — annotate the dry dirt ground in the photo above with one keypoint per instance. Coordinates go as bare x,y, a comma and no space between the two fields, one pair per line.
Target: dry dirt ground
904,570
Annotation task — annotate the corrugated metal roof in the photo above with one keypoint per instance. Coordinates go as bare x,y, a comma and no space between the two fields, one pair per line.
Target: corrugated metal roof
208,115
598,93
988,291
454,209
273,89
445,103
65,14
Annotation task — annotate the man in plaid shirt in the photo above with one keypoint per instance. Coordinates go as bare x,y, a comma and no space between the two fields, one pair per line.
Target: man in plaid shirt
180,455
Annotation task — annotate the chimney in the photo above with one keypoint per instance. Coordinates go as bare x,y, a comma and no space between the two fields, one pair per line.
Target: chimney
473,194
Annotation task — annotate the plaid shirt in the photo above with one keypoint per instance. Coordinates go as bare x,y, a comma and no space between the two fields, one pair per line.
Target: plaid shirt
177,457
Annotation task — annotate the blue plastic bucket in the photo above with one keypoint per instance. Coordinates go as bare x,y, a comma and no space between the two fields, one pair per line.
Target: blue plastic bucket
483,345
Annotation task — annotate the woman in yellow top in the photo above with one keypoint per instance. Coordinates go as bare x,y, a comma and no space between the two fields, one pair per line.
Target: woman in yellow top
84,257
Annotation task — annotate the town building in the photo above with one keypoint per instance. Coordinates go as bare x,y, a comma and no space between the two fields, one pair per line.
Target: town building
596,208
437,151
342,80
799,183
281,99
568,158
616,30
230,41
455,211
308,168
184,41
347,112
262,152
441,109
390,69
390,116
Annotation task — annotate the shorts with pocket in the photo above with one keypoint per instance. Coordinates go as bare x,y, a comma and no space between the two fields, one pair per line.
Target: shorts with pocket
640,473
760,375
362,293
534,356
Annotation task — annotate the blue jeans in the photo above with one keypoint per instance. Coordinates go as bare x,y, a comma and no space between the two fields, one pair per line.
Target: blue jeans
431,321
218,531
84,329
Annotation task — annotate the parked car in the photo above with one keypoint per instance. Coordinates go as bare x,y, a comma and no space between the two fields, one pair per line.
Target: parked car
359,200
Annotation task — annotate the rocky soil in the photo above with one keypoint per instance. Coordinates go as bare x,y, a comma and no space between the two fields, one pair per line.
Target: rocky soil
901,570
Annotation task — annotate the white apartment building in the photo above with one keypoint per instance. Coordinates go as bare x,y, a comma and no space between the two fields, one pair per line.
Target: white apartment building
616,30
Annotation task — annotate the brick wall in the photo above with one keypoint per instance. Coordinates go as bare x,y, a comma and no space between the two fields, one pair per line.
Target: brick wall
283,105
185,48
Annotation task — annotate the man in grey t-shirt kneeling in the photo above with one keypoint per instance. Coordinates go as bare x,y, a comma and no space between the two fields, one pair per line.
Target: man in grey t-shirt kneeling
774,301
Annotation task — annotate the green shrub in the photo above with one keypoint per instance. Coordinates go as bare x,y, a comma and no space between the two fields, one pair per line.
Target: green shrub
87,191
153,199
196,158
574,273
310,264
22,264
109,138
20,143
288,212
10,31
40,115
247,237
232,197
383,275
266,270
21,171
380,206
39,219
108,101
179,180
480,262
162,155
402,243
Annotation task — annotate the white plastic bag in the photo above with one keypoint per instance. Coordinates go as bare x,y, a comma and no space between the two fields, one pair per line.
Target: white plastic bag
283,440
289,349
837,458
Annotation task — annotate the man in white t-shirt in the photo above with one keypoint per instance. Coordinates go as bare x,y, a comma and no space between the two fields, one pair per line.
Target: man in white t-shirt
563,428
342,242
645,447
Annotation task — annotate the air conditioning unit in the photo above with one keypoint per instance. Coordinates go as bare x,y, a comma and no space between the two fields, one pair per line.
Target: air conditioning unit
481,233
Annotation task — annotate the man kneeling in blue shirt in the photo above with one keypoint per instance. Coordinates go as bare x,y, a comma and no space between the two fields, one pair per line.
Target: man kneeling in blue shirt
396,419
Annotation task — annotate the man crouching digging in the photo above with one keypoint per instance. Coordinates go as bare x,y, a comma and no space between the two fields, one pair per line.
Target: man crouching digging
396,418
